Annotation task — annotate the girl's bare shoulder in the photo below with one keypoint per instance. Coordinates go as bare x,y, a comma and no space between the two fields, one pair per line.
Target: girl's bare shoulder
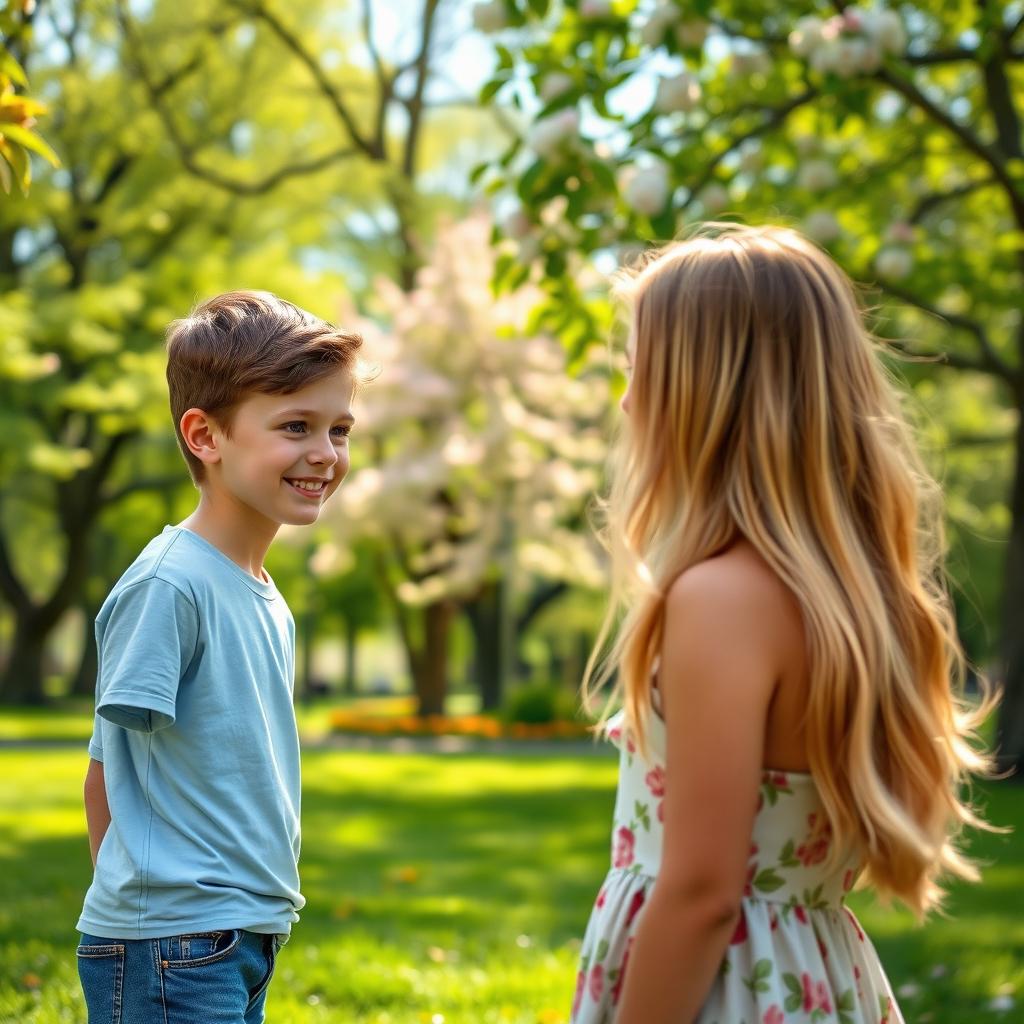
739,585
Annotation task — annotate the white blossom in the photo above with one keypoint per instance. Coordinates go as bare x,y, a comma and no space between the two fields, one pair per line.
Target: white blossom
681,92
822,226
646,189
900,232
713,198
887,30
816,176
490,16
517,224
550,135
652,32
554,85
806,36
894,262
594,10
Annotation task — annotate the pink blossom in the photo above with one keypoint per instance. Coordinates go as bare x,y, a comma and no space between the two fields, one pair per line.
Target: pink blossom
801,914
599,902
655,780
625,843
596,982
741,932
773,1015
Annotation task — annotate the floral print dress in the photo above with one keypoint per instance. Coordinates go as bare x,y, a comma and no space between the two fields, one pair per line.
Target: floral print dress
798,955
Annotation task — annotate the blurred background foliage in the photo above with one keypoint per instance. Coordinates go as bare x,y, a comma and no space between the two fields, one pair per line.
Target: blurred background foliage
456,182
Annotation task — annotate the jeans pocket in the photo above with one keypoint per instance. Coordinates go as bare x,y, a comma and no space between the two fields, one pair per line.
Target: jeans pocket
198,948
101,971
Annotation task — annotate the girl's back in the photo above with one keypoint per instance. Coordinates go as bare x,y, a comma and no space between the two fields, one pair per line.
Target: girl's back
787,656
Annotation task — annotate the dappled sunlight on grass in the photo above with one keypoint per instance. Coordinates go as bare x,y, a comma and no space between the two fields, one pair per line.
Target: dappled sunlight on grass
456,886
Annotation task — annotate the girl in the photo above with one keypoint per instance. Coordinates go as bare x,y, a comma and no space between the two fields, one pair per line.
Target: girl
785,657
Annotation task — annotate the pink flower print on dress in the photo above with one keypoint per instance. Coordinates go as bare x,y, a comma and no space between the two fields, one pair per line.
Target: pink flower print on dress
655,780
748,887
741,933
814,848
853,921
625,844
801,914
634,905
815,995
848,879
615,734
581,981
596,982
773,1015
617,987
599,902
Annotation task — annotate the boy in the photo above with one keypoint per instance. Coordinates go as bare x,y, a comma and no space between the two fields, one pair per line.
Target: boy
192,793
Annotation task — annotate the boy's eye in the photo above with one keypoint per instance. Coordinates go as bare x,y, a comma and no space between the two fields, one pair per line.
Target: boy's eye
289,427
341,431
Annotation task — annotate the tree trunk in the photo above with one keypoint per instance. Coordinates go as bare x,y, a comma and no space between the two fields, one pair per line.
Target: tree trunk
431,679
1010,734
484,615
23,676
84,682
351,640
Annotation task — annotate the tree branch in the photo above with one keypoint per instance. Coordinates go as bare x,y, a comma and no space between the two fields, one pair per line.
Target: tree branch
776,116
326,86
385,82
928,203
156,483
187,152
989,360
969,140
415,102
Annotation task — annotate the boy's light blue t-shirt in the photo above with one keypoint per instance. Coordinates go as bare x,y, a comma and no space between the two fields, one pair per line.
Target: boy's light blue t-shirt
196,731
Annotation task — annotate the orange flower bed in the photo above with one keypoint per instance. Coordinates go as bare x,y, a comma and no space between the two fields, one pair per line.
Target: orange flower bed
475,726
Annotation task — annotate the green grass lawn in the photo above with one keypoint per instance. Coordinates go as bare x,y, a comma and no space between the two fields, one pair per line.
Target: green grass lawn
453,889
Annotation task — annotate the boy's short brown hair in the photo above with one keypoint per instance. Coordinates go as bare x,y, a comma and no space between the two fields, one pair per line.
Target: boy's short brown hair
247,342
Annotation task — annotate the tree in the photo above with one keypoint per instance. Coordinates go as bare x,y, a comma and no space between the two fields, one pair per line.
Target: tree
483,452
18,111
93,264
892,136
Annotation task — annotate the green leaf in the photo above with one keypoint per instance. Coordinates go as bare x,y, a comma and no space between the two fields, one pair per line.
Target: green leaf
12,69
29,140
768,881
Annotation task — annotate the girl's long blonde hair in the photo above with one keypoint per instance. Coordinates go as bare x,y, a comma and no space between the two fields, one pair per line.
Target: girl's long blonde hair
760,410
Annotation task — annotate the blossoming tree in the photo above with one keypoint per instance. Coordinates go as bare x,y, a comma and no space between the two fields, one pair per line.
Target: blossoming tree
481,452
891,135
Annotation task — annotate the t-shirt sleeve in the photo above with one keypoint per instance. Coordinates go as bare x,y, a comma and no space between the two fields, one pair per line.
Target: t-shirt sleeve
148,641
96,740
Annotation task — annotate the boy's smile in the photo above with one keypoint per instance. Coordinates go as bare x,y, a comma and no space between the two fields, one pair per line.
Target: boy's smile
285,455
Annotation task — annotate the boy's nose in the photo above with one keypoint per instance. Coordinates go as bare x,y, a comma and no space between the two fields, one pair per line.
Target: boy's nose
324,454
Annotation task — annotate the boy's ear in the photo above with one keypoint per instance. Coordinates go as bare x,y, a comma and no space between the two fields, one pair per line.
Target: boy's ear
202,434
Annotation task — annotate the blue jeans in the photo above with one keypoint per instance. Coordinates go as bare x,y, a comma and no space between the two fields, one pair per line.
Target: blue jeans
207,978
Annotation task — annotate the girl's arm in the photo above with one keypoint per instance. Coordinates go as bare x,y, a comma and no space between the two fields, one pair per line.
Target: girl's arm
97,813
719,664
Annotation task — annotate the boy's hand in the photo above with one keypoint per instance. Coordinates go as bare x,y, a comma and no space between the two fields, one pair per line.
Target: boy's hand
97,812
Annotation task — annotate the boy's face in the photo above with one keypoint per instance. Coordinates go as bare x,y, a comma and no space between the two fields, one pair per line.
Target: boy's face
287,454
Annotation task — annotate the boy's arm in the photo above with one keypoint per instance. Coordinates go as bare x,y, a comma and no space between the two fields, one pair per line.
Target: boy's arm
97,813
